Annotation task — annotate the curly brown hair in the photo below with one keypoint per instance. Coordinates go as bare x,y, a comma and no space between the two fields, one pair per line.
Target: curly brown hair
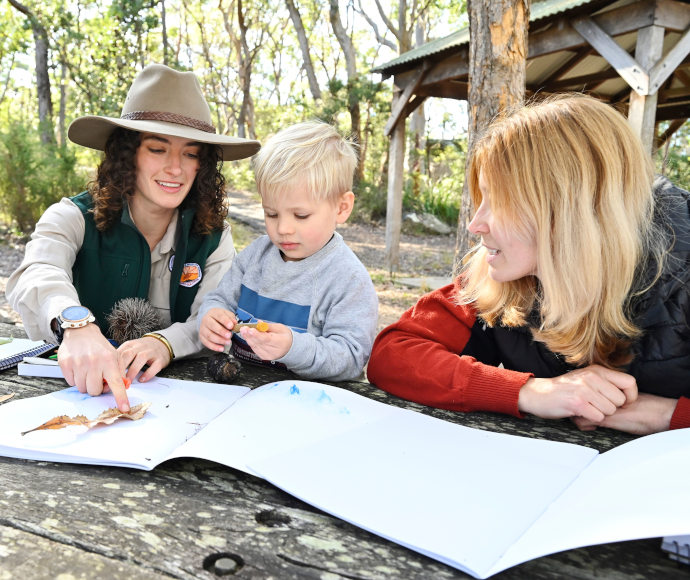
116,180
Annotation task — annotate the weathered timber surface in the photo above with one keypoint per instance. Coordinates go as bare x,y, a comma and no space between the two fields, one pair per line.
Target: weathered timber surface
195,519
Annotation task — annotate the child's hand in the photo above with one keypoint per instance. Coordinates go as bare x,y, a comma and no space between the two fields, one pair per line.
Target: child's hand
270,345
216,328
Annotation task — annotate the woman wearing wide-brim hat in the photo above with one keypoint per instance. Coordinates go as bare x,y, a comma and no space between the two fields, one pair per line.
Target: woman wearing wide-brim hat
151,225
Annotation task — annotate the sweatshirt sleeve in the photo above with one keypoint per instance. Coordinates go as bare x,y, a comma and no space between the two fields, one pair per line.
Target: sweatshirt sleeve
420,358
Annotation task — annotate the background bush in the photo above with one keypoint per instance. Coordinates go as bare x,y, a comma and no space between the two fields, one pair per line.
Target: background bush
33,175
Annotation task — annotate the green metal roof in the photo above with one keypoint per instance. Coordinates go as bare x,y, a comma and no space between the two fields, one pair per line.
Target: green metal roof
539,10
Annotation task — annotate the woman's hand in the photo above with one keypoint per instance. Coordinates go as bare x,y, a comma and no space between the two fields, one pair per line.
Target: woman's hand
592,392
648,414
270,345
88,361
216,327
147,350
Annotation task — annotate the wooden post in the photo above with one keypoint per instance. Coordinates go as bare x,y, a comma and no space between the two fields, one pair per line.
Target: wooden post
642,110
396,157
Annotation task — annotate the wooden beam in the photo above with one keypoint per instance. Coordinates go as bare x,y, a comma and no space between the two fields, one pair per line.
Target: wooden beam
642,110
626,66
447,90
414,103
560,34
674,112
665,67
399,108
396,158
672,15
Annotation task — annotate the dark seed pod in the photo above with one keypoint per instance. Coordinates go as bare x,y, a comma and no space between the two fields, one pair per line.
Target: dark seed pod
223,368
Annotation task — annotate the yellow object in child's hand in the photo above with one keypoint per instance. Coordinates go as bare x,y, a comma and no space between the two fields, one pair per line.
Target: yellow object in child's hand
261,326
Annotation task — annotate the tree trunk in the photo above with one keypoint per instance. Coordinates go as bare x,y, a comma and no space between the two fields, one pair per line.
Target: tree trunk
62,129
498,53
245,121
45,104
416,161
304,47
351,65
164,26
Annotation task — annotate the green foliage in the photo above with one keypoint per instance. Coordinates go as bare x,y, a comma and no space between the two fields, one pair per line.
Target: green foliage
239,175
438,191
33,175
674,161
370,204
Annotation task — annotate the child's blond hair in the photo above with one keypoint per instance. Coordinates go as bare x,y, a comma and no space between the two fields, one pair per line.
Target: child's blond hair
311,154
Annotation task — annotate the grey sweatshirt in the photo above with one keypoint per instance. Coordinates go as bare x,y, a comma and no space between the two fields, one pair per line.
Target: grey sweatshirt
327,299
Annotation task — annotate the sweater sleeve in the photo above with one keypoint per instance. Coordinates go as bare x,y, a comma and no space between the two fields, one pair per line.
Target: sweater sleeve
681,415
420,358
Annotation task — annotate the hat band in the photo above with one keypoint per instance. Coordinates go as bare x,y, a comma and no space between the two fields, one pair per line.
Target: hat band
169,118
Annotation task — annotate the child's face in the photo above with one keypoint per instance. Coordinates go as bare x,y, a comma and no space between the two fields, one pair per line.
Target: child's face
299,225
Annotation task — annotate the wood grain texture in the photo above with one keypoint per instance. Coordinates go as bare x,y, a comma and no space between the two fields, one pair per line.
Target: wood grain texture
175,521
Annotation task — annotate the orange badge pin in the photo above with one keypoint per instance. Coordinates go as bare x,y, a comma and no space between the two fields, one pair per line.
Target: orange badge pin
191,275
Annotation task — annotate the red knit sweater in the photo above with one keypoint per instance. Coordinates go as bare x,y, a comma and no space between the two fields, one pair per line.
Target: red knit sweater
417,359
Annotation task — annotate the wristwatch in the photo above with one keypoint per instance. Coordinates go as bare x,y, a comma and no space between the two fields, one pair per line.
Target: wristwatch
72,317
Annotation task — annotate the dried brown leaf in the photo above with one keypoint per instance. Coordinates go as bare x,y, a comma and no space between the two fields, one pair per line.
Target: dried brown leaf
107,417
6,397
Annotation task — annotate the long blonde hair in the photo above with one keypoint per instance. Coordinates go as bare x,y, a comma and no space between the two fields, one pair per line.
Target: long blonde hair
570,171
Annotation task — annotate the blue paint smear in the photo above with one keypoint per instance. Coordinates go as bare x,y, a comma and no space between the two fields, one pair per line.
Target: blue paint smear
324,398
294,390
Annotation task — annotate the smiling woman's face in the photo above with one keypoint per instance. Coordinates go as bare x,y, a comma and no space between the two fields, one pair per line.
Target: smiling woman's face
509,254
166,169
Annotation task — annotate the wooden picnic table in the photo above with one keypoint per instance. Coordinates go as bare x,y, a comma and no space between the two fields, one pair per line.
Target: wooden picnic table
191,518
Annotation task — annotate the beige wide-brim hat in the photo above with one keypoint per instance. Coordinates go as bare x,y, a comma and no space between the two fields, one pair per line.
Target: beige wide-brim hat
167,102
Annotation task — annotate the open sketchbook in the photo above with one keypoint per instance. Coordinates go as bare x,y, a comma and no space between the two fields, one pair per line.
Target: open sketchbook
476,500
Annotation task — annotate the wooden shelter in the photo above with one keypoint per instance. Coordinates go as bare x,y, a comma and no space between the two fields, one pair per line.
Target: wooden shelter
631,53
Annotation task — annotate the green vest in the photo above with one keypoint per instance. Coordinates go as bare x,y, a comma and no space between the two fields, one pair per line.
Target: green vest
116,263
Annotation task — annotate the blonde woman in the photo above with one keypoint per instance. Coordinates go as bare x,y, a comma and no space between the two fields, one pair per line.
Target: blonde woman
575,303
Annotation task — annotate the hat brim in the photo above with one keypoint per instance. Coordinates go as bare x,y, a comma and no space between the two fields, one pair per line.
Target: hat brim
93,131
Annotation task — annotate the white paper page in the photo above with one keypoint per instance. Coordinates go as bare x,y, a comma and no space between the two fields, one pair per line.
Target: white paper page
278,417
457,494
46,371
179,409
637,490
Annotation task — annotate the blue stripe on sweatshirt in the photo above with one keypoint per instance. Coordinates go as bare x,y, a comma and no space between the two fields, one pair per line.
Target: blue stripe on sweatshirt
252,307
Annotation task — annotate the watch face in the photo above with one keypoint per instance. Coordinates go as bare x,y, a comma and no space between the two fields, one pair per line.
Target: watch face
75,313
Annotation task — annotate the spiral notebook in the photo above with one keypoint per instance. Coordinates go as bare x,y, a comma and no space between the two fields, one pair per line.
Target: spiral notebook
13,350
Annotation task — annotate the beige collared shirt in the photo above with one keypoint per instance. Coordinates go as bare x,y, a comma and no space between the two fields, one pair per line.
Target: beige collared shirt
42,286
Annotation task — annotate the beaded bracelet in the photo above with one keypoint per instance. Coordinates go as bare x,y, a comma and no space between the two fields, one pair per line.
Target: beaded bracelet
164,340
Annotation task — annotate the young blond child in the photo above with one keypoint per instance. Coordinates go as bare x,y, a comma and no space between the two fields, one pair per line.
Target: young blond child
301,277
